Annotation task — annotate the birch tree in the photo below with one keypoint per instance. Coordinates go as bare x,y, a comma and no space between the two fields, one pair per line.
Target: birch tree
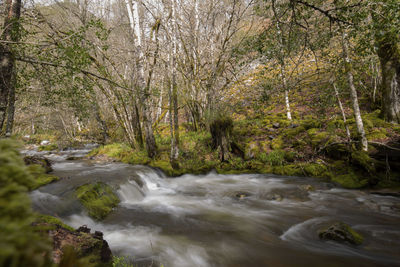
135,23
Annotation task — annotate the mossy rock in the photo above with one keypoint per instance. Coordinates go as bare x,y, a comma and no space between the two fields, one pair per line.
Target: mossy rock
37,160
288,170
363,160
350,180
40,177
315,170
252,149
341,232
99,199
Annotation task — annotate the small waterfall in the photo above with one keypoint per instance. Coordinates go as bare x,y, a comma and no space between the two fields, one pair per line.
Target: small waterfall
130,192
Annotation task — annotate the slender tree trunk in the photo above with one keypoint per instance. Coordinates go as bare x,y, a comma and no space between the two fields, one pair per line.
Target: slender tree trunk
11,107
342,111
133,12
7,61
137,128
174,98
285,87
353,91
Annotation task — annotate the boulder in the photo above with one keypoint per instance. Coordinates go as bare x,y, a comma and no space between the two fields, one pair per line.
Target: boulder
38,160
86,245
341,232
276,125
75,246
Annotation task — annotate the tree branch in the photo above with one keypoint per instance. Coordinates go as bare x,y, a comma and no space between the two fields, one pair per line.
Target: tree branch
33,61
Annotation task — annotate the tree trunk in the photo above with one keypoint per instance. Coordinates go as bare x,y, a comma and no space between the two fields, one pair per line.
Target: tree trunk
7,61
174,97
133,13
137,128
389,56
342,111
11,107
353,91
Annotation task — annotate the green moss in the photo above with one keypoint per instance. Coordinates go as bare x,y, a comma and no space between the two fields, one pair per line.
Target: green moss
363,160
338,151
309,123
377,133
50,147
53,221
44,179
115,150
350,180
39,176
341,232
121,262
293,132
315,170
358,238
277,143
99,199
289,170
316,137
275,158
374,120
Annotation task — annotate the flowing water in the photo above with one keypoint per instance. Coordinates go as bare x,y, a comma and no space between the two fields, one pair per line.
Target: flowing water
225,220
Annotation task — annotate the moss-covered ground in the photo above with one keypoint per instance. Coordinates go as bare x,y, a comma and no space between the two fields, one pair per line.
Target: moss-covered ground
305,146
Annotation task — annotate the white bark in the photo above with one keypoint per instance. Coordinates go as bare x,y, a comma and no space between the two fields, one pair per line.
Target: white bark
174,127
353,92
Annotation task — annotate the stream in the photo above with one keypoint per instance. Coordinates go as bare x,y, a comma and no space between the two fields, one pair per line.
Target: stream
224,220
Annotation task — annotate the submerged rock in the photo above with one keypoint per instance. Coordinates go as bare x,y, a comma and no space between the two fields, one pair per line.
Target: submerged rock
275,197
241,195
341,232
74,158
42,161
